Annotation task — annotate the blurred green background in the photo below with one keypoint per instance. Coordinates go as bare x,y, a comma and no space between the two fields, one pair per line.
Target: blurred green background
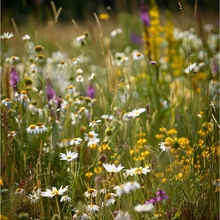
22,10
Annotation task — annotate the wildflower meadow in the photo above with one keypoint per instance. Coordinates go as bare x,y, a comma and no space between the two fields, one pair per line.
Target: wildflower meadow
122,124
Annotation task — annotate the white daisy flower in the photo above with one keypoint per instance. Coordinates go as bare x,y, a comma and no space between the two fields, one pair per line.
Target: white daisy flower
122,216
76,141
131,185
65,198
91,192
110,199
92,208
137,55
26,37
111,168
93,141
32,129
75,61
94,123
136,112
79,78
107,117
69,156
6,36
50,193
165,146
144,208
80,216
138,171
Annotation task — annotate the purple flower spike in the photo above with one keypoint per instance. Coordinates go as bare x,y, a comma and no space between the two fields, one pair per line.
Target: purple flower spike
50,91
144,15
14,79
91,92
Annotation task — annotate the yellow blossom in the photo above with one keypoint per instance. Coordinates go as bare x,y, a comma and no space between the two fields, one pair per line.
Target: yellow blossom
88,174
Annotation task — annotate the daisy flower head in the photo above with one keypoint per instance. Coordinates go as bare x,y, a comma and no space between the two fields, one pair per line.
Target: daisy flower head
110,199
137,55
69,156
51,193
107,117
90,192
32,129
165,146
76,141
92,142
79,78
65,198
131,185
144,208
41,127
75,61
119,190
111,168
136,112
80,216
138,171
94,123
6,36
26,37
33,197
92,208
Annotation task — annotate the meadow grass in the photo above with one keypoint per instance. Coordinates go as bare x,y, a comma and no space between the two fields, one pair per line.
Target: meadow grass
122,122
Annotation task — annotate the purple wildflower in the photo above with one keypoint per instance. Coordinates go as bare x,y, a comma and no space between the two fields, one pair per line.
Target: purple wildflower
153,62
50,91
152,200
14,79
160,196
144,15
91,91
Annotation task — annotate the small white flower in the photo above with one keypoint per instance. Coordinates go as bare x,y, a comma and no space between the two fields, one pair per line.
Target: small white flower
81,38
116,32
79,71
144,208
26,37
79,78
138,171
111,168
130,186
69,156
137,55
93,142
190,68
92,76
76,141
91,192
92,208
110,199
33,197
136,112
50,193
32,129
165,146
80,216
94,123
107,117
65,198
75,61
6,36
